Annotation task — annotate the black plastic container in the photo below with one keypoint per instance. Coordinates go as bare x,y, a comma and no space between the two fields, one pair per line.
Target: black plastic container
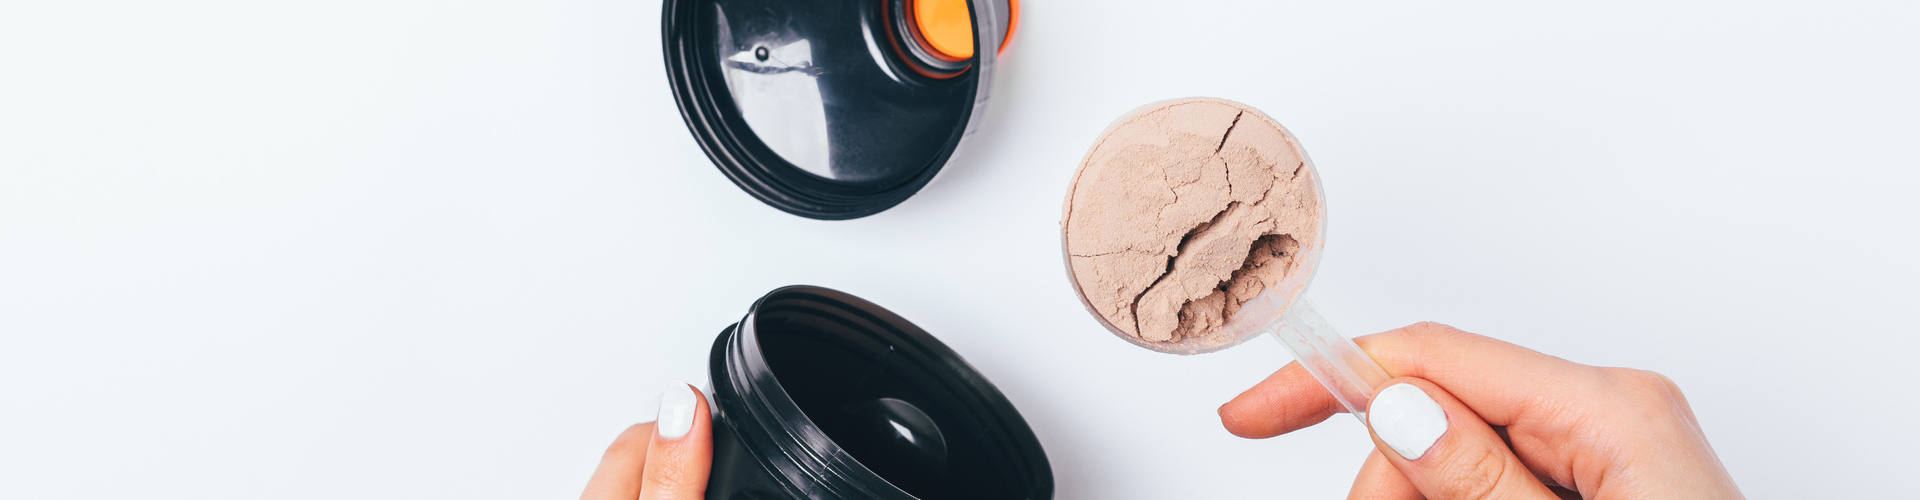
821,395
826,109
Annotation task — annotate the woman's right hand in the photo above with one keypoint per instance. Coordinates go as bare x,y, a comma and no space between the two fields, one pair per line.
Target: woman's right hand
1470,417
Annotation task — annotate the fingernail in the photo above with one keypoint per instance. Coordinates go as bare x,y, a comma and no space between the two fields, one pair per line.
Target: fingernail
1407,419
676,411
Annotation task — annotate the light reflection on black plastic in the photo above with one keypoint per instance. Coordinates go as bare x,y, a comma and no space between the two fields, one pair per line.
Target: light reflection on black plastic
804,78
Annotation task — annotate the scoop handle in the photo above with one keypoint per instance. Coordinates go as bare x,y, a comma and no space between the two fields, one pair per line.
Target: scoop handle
1334,360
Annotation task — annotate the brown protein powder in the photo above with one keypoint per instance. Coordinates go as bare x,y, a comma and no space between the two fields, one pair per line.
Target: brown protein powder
1183,211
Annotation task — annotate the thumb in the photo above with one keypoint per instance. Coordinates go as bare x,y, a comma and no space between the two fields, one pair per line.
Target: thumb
1444,448
681,454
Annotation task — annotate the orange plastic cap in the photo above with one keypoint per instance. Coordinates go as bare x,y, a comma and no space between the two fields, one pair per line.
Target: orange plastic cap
1013,22
946,25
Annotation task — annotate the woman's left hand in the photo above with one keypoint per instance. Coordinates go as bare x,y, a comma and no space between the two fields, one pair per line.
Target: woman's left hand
667,459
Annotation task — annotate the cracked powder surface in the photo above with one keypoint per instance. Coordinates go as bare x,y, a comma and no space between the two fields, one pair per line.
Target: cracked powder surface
1184,211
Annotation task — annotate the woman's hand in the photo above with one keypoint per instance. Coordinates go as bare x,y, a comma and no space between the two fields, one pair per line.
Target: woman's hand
1470,417
667,459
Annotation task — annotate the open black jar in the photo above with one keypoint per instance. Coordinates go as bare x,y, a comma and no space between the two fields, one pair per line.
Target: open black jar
821,395
832,109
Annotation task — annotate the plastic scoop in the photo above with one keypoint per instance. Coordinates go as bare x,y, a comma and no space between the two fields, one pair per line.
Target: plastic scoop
1284,312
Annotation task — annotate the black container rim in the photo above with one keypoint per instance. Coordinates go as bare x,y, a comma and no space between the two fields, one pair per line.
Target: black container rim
761,413
753,166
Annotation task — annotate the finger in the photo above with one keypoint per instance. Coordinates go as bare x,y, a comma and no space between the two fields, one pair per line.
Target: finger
681,453
1443,448
1378,480
1286,401
1482,370
618,476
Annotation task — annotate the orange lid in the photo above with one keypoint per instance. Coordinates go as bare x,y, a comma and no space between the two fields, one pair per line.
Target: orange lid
946,25
1013,21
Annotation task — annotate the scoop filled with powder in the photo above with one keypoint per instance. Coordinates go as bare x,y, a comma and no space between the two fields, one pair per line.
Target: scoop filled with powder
1195,224
1183,212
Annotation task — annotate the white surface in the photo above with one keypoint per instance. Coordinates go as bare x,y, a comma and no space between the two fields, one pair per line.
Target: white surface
445,249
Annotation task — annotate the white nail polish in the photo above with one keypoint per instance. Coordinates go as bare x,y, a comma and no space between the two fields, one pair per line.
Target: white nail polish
676,411
1407,419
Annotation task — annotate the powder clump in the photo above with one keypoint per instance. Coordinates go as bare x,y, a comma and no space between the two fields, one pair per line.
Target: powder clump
1184,211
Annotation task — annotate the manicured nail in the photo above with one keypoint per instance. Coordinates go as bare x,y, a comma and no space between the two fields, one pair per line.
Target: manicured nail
1407,419
676,411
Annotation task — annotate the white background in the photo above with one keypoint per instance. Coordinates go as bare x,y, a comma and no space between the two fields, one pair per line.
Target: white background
446,249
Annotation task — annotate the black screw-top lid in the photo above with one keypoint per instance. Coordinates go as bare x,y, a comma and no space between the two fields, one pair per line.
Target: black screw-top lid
821,108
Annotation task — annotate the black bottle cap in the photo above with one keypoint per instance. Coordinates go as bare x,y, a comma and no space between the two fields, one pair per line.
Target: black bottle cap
827,109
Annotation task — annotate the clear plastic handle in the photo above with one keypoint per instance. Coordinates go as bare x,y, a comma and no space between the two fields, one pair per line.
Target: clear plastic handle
1334,360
